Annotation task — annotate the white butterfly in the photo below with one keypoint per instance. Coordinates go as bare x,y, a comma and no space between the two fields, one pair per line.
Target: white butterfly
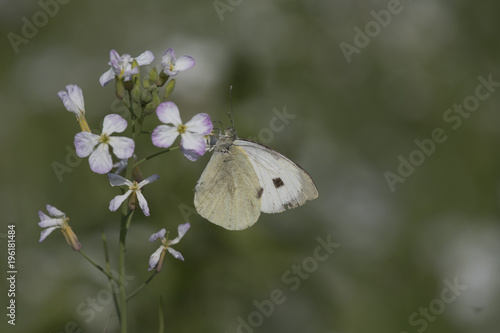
244,178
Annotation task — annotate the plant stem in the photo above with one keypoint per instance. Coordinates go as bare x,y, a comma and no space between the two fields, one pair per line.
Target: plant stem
124,225
108,269
96,265
121,270
132,294
155,154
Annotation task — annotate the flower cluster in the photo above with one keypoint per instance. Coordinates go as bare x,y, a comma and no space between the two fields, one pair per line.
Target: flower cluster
108,150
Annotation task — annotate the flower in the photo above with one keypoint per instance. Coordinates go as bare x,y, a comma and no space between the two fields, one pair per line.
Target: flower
192,133
156,259
121,165
133,188
58,220
172,66
100,159
73,101
121,66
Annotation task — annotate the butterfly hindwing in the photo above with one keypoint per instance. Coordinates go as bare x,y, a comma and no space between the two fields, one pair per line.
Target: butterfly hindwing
228,192
285,184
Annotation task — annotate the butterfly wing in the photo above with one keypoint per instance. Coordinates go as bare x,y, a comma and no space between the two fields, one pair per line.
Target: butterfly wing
228,192
286,185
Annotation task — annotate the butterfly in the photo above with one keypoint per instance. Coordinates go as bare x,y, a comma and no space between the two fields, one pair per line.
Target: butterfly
244,178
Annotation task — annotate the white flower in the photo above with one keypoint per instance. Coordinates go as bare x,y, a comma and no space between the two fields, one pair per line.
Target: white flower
121,66
58,220
133,188
193,143
100,159
73,101
156,259
172,66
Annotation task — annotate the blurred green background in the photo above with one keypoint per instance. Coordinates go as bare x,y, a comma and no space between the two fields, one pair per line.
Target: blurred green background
353,119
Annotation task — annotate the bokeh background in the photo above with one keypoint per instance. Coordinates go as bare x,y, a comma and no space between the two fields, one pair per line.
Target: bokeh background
353,119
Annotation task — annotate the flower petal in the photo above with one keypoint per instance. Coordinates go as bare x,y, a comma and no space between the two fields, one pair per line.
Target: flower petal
200,124
149,180
181,229
191,154
116,202
158,235
129,72
113,123
53,211
117,180
155,257
51,223
142,203
107,77
164,136
45,233
183,63
73,99
120,165
168,113
176,254
43,216
114,58
76,95
168,58
145,58
85,143
100,160
123,147
193,145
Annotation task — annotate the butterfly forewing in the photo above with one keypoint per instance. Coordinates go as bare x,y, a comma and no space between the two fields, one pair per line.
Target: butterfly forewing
285,184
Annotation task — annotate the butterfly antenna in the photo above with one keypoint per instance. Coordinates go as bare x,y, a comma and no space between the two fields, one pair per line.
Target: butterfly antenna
231,105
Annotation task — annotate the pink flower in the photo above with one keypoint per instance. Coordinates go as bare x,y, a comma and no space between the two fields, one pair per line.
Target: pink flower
192,133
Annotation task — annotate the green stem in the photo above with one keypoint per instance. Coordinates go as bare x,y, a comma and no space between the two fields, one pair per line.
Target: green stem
132,294
96,265
124,225
121,269
155,154
131,107
108,269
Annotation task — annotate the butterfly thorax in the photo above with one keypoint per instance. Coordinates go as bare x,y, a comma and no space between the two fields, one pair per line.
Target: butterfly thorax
226,140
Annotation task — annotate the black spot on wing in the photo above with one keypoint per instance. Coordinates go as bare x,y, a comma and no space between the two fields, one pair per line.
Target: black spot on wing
259,193
289,205
278,182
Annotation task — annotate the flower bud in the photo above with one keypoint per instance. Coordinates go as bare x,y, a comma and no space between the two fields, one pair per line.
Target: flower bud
153,75
162,79
169,88
136,93
146,97
120,88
